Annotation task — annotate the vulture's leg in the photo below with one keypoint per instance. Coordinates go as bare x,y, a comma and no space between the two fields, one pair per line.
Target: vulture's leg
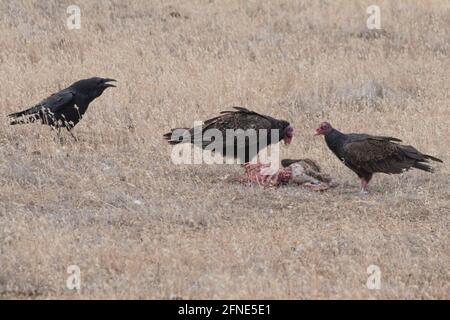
364,186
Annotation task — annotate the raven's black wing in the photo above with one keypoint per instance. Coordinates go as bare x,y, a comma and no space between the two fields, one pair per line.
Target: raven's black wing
56,102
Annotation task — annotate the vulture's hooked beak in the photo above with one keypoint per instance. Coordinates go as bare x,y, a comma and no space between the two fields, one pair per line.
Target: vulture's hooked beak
288,135
287,141
318,132
108,85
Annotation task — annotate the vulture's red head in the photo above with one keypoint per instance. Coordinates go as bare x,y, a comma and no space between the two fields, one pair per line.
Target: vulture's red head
323,128
288,134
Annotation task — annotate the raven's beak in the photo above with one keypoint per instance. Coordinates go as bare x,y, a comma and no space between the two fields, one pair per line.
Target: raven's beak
108,85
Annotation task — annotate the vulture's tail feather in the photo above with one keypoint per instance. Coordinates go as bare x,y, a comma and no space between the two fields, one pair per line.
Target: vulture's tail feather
412,153
173,138
424,167
433,158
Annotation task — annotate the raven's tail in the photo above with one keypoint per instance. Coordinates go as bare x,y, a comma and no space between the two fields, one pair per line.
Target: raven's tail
22,113
23,117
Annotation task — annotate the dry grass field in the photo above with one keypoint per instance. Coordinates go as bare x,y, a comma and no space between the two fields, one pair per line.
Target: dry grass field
140,227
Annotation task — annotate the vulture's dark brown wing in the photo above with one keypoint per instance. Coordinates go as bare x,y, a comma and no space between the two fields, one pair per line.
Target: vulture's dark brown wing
243,134
354,137
242,118
378,154
248,122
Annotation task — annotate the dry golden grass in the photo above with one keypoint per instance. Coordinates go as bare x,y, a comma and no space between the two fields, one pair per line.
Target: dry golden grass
140,227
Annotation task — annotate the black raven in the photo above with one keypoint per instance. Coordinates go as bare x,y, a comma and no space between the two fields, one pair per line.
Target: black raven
65,108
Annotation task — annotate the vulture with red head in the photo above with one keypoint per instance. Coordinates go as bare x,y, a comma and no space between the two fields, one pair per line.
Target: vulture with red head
258,131
366,154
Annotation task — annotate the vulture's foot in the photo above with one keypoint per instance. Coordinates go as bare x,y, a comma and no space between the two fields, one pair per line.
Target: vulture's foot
364,189
364,186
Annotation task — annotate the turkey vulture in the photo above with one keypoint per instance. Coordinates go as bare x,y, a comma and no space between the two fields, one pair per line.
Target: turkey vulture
65,108
241,145
366,154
